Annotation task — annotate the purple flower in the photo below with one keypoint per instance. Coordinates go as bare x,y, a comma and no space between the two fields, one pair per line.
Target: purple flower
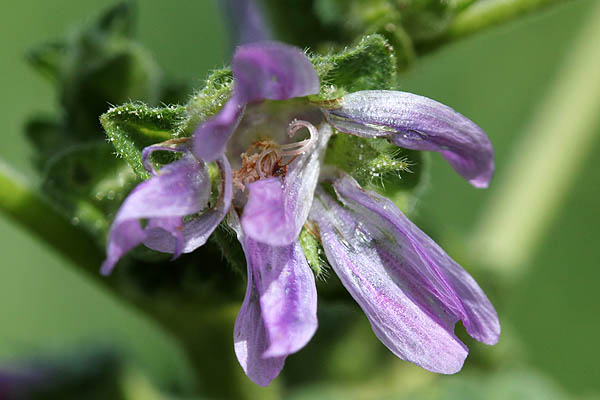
412,292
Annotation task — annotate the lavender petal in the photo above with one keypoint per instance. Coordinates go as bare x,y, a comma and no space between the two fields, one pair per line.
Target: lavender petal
196,231
422,267
181,188
276,210
407,329
278,316
418,123
274,71
288,295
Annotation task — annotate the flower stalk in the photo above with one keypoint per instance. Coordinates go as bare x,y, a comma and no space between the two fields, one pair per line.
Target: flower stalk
482,15
26,206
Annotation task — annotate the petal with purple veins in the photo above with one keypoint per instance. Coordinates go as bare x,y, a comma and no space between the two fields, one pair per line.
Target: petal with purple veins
274,71
276,210
411,331
165,230
195,231
418,263
279,313
418,123
288,295
180,188
264,213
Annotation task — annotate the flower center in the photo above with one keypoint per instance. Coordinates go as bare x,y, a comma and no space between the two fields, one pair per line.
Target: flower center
265,158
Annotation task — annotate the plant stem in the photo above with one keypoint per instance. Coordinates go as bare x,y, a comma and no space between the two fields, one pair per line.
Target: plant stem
482,15
27,207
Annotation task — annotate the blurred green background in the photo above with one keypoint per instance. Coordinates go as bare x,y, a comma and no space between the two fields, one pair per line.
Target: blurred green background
550,311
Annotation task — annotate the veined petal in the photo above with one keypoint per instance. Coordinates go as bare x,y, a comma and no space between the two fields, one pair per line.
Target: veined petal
414,260
161,231
408,330
418,123
181,188
278,316
264,70
264,213
276,210
288,295
195,232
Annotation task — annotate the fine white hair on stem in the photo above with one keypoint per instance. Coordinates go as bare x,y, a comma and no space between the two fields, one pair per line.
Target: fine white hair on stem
294,149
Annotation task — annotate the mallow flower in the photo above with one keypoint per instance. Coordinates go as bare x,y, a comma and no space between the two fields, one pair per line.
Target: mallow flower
270,185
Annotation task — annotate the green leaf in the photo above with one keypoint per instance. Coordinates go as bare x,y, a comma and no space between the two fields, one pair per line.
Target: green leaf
88,184
117,77
48,59
93,68
369,65
118,19
133,126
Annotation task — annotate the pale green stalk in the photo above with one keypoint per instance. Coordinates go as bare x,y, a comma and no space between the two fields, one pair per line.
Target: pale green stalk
533,185
482,15
26,206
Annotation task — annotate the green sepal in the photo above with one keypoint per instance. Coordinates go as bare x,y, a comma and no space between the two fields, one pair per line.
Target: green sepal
207,101
370,64
314,253
379,165
391,29
133,126
88,184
